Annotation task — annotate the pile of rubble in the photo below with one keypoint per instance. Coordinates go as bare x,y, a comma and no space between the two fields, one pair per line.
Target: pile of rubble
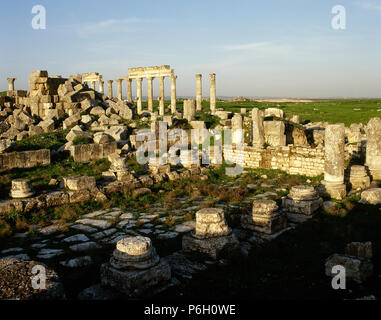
55,103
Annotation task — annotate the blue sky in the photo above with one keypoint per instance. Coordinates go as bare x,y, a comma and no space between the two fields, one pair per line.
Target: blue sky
257,48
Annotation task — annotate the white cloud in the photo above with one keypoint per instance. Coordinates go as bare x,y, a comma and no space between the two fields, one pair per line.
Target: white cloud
370,5
246,46
110,26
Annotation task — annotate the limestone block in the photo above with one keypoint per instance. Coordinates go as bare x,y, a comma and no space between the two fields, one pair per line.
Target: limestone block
373,147
371,196
302,199
275,133
358,270
76,133
275,112
77,183
97,111
21,188
212,247
362,250
102,138
72,121
264,218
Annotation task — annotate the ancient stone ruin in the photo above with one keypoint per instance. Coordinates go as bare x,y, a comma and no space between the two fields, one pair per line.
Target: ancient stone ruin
98,194
135,268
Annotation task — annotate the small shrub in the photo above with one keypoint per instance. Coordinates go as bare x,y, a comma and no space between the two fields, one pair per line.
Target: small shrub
82,140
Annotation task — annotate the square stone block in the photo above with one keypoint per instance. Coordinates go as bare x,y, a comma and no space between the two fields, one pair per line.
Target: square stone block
268,225
209,246
136,283
356,269
307,207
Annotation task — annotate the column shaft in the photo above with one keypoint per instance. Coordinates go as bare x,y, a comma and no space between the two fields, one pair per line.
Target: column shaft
139,95
173,94
150,94
119,83
198,92
129,90
161,96
109,87
213,93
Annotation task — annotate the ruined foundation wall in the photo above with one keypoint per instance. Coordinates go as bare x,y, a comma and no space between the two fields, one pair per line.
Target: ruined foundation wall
291,159
24,159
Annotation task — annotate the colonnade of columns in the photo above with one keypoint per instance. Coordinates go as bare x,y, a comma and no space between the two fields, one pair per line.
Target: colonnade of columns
150,93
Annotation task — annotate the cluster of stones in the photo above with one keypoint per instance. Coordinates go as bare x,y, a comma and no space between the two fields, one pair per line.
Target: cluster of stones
212,234
303,200
135,268
265,218
356,261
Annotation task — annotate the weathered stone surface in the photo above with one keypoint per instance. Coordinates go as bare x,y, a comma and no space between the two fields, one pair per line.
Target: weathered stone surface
274,112
371,196
275,133
210,222
373,147
265,217
87,152
135,267
16,284
5,144
212,246
136,283
303,200
333,183
21,188
77,183
358,177
24,159
362,250
358,270
79,262
257,128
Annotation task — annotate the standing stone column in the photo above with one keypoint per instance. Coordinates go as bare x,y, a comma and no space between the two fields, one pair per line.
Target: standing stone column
93,85
257,129
237,128
129,90
119,83
189,110
109,87
11,84
173,93
373,148
161,96
198,92
333,183
150,94
101,86
139,95
212,93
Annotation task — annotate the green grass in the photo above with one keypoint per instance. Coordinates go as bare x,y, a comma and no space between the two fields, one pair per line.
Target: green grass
51,141
82,140
332,111
3,94
41,176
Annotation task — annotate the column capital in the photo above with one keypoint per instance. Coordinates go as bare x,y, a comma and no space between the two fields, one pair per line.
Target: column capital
110,81
198,76
11,79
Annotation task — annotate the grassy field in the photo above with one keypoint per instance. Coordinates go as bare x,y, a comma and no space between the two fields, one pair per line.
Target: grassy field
333,111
